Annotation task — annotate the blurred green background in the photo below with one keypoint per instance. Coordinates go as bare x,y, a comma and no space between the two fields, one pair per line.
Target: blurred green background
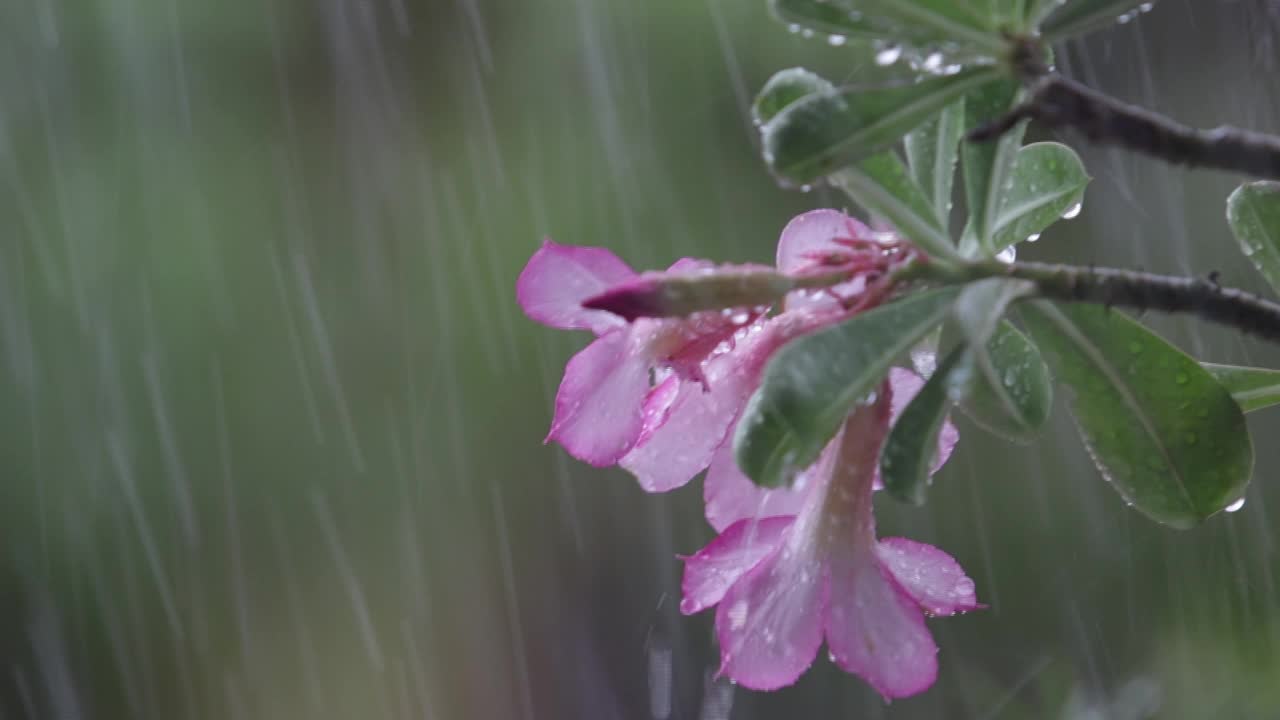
270,419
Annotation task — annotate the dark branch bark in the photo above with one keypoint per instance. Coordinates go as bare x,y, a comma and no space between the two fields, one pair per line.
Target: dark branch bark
1057,102
1145,291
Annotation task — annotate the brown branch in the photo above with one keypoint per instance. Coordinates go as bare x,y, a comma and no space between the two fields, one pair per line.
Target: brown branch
1057,102
1202,297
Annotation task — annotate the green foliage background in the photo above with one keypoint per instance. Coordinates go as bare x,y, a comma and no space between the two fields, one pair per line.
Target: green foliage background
270,418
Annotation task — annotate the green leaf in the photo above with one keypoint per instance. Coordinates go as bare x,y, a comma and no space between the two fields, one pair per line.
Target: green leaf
835,18
912,444
785,88
1009,15
986,165
1253,211
911,22
1001,377
1253,388
1160,428
882,185
1037,10
981,305
810,385
1047,180
823,132
1013,397
1081,16
931,153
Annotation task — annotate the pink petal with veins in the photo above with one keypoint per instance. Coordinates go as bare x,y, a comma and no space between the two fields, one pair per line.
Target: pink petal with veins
805,241
558,278
811,234
875,630
769,623
599,406
730,495
710,572
930,576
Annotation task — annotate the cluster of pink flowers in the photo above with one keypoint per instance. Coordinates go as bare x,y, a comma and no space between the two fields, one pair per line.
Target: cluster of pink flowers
660,396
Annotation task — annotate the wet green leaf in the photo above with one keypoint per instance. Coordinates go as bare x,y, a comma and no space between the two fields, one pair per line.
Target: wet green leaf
986,165
1253,212
882,185
810,385
784,88
1076,17
1011,396
1253,388
1001,381
1047,180
912,444
825,131
1160,428
911,22
983,303
932,149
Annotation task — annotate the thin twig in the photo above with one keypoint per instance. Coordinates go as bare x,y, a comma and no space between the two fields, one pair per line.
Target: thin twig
1203,297
1058,102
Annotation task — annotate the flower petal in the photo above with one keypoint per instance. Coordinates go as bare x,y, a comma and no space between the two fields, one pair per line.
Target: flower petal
682,446
599,406
770,622
930,576
657,406
730,496
696,423
803,243
875,630
558,278
811,233
710,572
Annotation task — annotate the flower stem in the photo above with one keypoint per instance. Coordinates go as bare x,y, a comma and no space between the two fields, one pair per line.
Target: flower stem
1202,297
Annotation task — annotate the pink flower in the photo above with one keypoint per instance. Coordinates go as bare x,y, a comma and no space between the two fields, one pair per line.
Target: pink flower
659,395
730,496
784,582
606,402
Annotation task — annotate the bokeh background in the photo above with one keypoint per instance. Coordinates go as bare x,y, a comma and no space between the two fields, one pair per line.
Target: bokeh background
270,419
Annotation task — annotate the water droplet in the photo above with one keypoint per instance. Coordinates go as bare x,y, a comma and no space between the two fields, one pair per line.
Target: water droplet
837,40
1073,211
1235,506
889,55
793,28
1033,237
1007,255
